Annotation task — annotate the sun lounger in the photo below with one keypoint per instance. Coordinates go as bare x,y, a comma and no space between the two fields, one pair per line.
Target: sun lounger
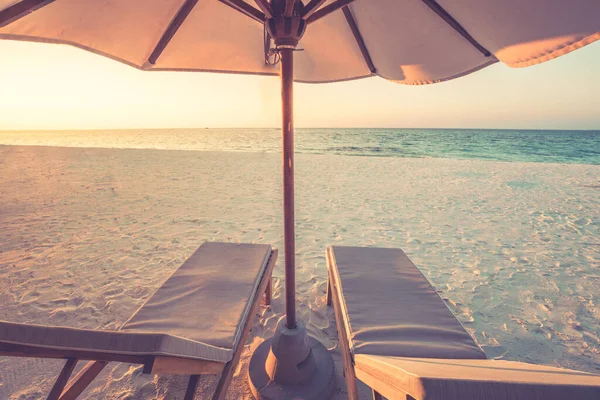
398,336
196,323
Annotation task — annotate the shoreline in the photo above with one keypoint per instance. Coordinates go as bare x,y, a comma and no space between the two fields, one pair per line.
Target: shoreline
298,153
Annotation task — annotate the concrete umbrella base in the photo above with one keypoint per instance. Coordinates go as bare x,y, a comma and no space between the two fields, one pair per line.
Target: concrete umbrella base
291,365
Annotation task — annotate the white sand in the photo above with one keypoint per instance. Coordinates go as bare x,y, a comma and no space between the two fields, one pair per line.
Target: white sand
86,235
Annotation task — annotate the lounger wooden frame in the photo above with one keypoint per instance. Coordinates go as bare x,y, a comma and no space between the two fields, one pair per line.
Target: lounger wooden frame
335,298
63,389
334,295
419,377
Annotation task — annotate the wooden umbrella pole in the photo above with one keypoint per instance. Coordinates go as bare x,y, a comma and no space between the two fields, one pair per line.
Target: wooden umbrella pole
287,100
291,364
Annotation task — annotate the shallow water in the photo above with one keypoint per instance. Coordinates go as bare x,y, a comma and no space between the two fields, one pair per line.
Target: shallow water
88,234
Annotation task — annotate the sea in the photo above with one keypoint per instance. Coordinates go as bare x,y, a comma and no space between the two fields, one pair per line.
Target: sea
551,146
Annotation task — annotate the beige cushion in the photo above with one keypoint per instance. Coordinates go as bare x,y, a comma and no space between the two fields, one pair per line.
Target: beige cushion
391,309
474,379
197,313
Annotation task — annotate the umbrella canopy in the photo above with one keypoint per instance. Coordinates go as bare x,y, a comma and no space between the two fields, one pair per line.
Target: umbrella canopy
408,41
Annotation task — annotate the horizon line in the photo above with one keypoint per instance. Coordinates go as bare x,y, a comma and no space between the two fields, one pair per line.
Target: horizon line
312,127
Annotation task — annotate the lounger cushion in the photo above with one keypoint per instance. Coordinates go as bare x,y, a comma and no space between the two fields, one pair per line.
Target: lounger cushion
197,313
208,297
474,379
391,309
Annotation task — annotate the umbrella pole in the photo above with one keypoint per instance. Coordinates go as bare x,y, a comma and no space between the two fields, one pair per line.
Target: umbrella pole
291,364
287,101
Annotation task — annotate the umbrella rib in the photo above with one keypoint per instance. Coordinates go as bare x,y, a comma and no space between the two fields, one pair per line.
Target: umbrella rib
265,7
312,7
359,39
443,14
336,5
20,10
246,9
173,27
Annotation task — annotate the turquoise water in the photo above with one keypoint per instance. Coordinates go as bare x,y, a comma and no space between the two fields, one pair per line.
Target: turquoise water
580,147
573,147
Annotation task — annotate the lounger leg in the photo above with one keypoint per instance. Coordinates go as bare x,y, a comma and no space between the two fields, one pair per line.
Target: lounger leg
226,376
191,389
269,292
328,291
346,356
376,395
350,379
343,340
83,379
62,379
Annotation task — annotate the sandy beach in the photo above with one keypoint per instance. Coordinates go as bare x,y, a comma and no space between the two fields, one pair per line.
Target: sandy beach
87,234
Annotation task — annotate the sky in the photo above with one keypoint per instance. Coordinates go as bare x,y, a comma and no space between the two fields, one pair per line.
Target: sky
50,87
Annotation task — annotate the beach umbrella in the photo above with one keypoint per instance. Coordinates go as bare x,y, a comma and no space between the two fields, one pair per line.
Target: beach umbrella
407,41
